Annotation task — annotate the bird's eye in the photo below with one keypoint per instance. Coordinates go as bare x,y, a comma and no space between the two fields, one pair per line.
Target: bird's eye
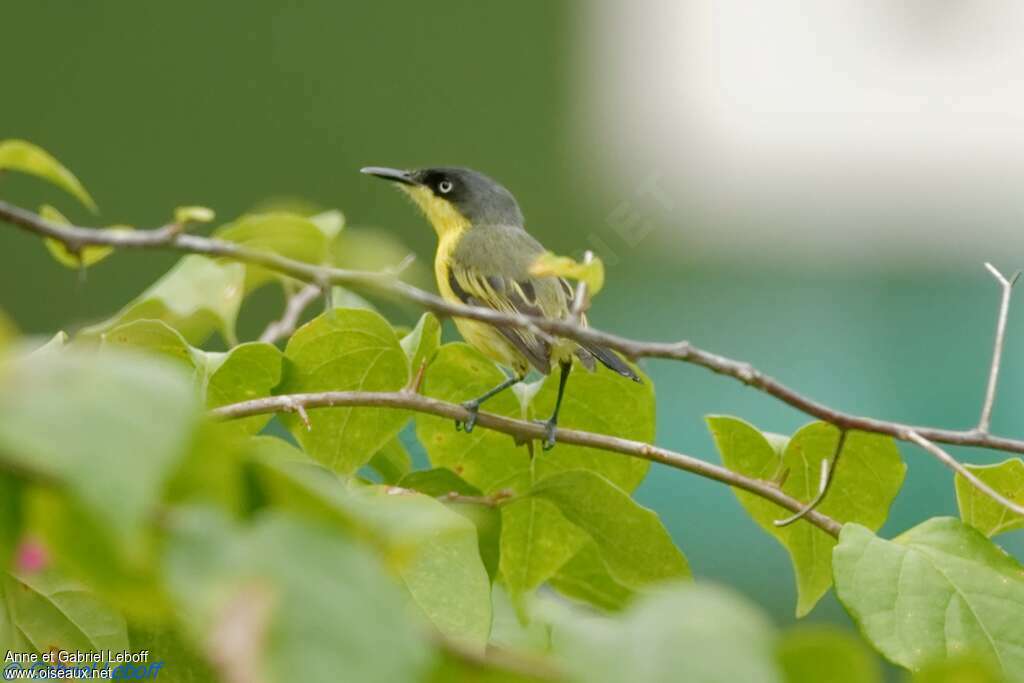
445,186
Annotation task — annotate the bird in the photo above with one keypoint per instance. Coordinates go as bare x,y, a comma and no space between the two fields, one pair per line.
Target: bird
483,258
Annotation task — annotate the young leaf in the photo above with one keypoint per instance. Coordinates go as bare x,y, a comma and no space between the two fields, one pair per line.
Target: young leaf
689,632
983,513
635,546
825,653
865,483
259,613
422,343
18,155
193,214
939,590
52,612
118,445
88,255
345,350
196,297
550,265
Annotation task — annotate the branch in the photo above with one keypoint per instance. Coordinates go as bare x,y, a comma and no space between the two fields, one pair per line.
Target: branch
292,312
385,283
997,350
171,237
955,465
523,430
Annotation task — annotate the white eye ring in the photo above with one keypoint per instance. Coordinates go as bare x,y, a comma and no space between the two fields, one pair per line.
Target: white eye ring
445,186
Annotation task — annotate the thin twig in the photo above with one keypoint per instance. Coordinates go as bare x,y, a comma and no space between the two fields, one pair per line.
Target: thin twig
526,431
997,350
75,237
955,465
297,303
828,474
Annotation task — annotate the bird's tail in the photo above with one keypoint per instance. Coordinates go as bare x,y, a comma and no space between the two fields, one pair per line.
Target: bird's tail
608,358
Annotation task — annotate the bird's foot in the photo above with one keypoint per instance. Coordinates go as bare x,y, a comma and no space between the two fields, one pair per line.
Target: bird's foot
549,433
474,410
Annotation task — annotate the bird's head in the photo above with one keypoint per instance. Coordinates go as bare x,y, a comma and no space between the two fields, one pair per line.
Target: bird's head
454,199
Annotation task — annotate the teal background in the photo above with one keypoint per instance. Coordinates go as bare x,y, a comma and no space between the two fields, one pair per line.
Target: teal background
155,105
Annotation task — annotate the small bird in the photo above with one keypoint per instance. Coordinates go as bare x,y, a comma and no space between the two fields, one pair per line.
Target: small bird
483,259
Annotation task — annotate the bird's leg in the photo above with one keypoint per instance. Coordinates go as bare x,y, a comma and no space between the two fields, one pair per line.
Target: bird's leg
474,406
552,422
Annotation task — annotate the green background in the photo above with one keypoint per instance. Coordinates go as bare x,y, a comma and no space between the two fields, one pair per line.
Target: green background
158,105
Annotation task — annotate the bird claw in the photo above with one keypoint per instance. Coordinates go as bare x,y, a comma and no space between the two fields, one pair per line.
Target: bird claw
549,434
474,409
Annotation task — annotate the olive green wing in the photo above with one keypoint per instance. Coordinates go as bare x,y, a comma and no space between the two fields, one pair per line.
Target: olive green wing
490,268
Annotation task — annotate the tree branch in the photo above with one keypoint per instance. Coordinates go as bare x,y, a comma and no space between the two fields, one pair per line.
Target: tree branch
171,237
997,350
523,430
292,312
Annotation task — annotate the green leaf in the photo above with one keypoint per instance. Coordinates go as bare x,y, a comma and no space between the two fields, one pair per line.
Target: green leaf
422,343
635,546
259,600
585,577
536,539
110,426
22,156
966,669
345,350
88,255
287,234
391,462
692,632
447,579
939,590
50,612
865,483
247,371
439,483
196,297
983,513
811,654
183,663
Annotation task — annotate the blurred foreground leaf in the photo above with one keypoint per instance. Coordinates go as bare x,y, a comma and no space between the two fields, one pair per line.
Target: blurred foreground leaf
939,590
47,611
110,426
261,599
864,485
695,632
822,653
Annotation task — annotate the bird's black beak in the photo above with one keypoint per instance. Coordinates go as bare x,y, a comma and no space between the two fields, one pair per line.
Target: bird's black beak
392,174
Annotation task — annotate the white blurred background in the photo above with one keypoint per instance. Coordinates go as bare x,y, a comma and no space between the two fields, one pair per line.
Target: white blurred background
863,131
